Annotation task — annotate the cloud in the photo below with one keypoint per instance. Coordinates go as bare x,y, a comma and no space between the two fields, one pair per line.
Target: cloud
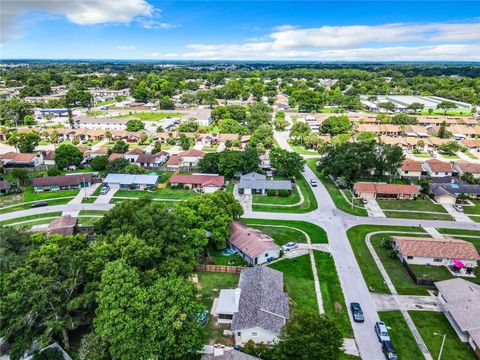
81,12
393,42
126,47
284,28
153,24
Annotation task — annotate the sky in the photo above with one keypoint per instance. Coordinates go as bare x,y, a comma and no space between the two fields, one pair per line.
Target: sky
240,30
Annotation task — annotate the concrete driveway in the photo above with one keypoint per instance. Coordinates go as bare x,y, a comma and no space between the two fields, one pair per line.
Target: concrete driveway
374,209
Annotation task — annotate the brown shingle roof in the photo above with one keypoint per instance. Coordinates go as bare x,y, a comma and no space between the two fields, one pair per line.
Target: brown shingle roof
439,166
192,153
381,188
64,225
68,180
251,242
202,180
114,156
436,247
411,165
469,167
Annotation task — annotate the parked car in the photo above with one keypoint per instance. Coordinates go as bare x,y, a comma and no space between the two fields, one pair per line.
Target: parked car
357,312
389,350
381,331
458,207
104,190
289,246
364,201
313,182
39,204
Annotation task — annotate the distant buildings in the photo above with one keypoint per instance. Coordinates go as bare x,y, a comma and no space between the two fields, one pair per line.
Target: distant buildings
402,102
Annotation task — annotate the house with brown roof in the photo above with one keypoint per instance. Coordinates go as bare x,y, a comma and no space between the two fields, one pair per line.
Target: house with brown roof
460,302
411,169
189,158
56,183
152,161
133,154
49,158
115,156
436,251
437,168
254,246
202,182
463,167
64,225
383,191
21,160
472,145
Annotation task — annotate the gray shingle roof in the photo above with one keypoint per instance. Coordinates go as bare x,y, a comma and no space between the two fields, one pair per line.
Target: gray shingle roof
265,184
229,355
262,300
454,189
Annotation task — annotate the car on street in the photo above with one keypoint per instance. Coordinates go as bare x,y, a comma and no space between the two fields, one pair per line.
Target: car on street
357,312
39,204
458,207
313,183
389,350
104,190
289,246
381,331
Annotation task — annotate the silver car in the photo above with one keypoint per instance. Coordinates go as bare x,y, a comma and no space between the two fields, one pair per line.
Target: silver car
289,246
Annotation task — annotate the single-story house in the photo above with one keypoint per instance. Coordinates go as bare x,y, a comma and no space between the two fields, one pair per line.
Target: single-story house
436,251
19,160
463,167
150,161
437,168
460,301
203,117
190,157
221,352
263,308
205,183
252,245
55,183
115,156
131,182
254,183
4,187
472,145
447,189
64,225
132,155
383,191
411,169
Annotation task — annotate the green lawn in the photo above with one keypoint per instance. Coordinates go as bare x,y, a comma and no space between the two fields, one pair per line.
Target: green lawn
448,155
230,186
309,203
470,155
400,334
150,116
220,259
28,195
88,221
420,204
340,202
371,273
210,284
332,294
428,323
207,148
301,150
472,209
317,234
93,212
452,112
29,225
420,216
166,193
293,198
31,217
96,113
458,231
298,282
282,235
28,206
422,154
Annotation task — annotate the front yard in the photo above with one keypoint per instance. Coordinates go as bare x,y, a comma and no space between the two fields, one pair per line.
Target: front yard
149,116
29,195
301,150
293,198
420,204
167,193
430,323
282,235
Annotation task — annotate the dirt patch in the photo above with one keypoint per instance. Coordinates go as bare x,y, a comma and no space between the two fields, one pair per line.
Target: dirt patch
9,200
338,307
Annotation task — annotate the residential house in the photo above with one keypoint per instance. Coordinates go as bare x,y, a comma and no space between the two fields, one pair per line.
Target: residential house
222,138
383,191
4,187
132,155
472,145
460,301
152,161
49,158
446,190
131,182
463,167
245,139
221,352
189,158
207,139
263,309
95,123
254,183
21,160
252,245
202,182
115,156
64,225
437,168
56,183
411,169
436,251
203,117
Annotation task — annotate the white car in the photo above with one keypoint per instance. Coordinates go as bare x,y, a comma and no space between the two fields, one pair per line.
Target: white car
458,207
289,246
104,190
381,331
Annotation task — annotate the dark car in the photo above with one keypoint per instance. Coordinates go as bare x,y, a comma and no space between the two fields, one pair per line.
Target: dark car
389,350
39,204
357,312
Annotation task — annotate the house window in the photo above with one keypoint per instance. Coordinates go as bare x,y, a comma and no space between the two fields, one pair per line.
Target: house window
409,257
239,333
254,334
266,255
406,172
436,173
437,260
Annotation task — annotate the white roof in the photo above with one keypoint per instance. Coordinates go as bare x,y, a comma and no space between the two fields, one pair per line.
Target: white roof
128,179
228,301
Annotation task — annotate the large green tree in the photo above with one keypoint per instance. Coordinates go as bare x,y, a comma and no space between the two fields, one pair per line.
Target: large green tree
67,155
335,125
287,162
25,142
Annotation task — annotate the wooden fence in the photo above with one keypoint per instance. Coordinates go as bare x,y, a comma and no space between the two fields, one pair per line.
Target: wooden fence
219,268
416,280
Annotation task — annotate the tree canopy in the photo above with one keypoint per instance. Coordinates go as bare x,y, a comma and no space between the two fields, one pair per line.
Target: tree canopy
67,155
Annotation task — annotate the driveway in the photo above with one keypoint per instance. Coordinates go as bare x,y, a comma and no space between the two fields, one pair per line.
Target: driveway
387,302
374,209
105,199
458,216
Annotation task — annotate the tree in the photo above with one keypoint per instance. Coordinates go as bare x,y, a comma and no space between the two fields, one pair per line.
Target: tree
450,148
135,125
184,141
25,142
443,133
230,163
230,126
312,141
165,103
67,155
157,147
299,131
306,334
446,105
388,106
156,321
250,160
54,171
28,120
99,163
404,119
140,92
335,125
366,136
210,163
13,109
280,123
21,175
415,107
468,177
120,147
142,139
134,169
262,135
117,166
286,162
188,126
53,138
108,135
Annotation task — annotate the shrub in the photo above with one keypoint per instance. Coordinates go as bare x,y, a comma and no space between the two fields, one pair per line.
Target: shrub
53,171
271,192
284,193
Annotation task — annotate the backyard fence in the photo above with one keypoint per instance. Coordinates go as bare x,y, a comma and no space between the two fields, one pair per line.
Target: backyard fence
219,268
424,282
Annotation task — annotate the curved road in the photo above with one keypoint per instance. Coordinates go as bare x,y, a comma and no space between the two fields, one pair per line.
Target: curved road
336,223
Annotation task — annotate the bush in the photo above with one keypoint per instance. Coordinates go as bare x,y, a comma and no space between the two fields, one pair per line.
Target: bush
53,171
271,192
284,193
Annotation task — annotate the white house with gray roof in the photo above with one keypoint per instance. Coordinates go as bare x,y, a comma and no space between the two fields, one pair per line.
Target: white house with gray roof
262,308
254,183
460,300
